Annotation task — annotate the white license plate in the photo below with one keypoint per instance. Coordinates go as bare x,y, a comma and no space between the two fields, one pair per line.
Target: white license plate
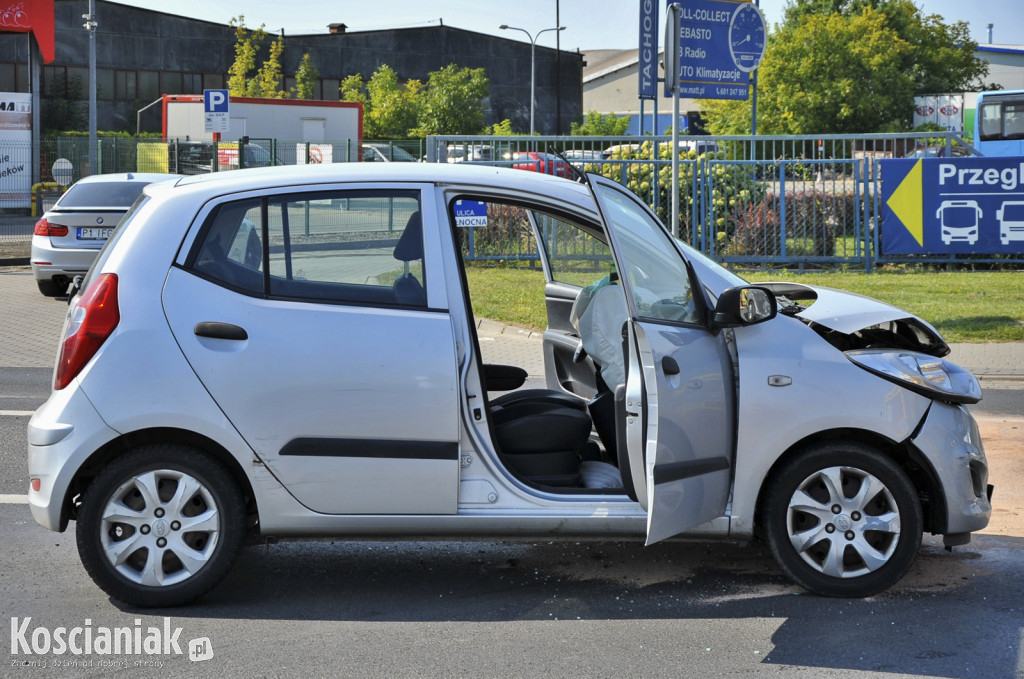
94,234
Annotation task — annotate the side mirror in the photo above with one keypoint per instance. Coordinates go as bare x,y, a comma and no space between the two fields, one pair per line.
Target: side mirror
744,305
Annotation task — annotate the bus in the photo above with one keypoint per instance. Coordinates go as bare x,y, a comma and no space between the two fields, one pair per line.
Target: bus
999,123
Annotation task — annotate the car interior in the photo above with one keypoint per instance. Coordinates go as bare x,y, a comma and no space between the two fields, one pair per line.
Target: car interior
559,440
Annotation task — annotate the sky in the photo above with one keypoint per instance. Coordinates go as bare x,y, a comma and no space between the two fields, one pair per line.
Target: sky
589,24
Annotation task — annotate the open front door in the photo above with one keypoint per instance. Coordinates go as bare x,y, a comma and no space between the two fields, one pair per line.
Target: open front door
680,401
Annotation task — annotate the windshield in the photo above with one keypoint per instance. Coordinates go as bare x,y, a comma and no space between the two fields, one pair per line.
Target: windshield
712,275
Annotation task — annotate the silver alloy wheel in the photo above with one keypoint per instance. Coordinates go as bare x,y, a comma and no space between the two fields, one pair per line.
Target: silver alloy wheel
160,528
843,522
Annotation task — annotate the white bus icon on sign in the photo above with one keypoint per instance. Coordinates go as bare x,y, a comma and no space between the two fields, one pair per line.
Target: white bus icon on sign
1011,221
959,220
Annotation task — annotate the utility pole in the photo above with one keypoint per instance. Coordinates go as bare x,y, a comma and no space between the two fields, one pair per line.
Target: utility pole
90,25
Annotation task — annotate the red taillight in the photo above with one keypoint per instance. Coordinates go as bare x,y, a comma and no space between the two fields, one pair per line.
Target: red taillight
45,228
92,320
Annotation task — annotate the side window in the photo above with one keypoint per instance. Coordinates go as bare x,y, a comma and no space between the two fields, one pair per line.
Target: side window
232,249
991,121
492,232
655,273
575,256
362,247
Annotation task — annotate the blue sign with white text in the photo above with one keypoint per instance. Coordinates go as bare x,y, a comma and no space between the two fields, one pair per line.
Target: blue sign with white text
953,206
714,61
647,83
470,213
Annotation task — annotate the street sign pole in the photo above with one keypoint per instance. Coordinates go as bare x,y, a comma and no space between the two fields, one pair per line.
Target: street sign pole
672,83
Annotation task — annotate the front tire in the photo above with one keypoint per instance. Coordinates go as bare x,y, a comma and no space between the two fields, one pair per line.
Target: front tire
160,526
843,520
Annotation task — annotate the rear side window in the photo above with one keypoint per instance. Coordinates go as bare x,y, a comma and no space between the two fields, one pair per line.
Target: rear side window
360,247
101,195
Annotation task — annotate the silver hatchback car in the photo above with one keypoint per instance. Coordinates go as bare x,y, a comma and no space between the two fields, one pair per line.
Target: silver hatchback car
67,238
293,352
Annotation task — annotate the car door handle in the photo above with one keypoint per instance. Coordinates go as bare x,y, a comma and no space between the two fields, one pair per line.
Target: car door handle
669,366
217,330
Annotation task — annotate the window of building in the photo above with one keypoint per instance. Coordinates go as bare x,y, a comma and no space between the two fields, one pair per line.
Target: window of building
8,78
78,78
149,86
171,82
124,85
213,81
329,89
192,83
105,84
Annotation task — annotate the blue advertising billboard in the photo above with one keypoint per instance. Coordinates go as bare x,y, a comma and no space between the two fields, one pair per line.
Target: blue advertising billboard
941,206
720,43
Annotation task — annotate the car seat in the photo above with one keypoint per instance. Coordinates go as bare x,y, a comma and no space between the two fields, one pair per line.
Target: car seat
407,288
598,316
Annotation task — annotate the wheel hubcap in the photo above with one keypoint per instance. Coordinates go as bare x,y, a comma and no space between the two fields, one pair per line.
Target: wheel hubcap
160,528
843,522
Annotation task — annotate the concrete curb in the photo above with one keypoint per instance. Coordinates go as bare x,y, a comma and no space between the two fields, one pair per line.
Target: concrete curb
488,328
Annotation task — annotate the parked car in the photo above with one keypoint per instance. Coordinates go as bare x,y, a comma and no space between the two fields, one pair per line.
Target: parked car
385,153
67,238
937,152
196,157
546,163
312,368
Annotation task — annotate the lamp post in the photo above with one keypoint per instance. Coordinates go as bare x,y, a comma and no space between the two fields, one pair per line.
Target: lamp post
533,60
90,25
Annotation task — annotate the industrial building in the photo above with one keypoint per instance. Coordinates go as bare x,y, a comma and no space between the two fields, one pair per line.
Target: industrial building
142,54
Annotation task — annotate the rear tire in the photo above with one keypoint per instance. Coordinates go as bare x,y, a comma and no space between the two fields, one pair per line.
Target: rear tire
843,520
160,526
51,288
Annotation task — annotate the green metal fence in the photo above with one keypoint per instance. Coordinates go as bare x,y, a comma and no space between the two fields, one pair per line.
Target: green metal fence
794,201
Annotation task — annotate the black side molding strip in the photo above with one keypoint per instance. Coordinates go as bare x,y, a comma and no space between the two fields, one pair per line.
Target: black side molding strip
375,448
674,471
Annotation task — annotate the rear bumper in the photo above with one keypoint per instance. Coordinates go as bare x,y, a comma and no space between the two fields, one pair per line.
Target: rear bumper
57,449
59,261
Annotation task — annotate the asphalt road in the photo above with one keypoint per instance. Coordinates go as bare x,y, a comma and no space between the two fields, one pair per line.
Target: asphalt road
500,609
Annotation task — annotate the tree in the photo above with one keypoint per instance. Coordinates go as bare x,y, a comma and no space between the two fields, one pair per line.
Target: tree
306,76
390,109
502,129
352,89
597,125
394,108
244,79
454,101
451,103
851,66
245,57
63,110
942,57
270,76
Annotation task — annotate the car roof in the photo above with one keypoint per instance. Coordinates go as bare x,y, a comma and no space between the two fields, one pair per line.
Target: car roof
444,173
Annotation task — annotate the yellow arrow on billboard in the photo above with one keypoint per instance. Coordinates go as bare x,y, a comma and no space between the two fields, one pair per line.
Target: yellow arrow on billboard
907,203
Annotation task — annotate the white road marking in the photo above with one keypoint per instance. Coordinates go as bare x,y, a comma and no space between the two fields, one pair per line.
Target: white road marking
13,499
16,413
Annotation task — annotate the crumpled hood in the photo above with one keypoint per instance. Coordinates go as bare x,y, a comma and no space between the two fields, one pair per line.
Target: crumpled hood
863,321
